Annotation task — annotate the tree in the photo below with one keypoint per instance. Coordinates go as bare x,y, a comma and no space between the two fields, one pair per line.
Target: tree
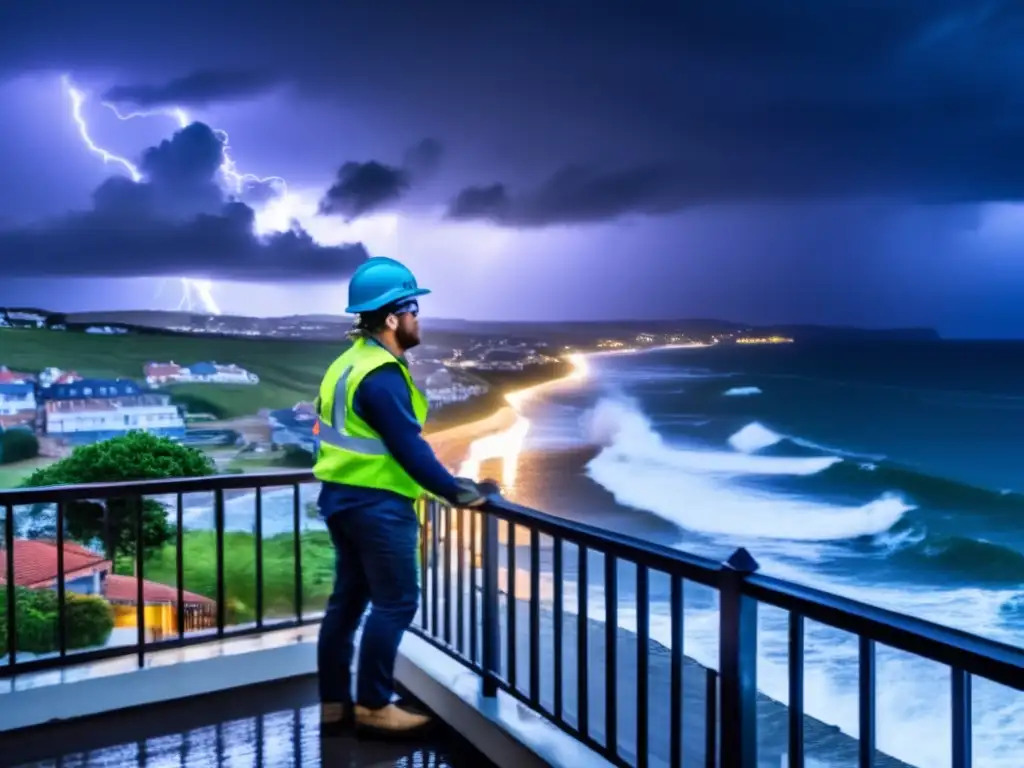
17,445
134,456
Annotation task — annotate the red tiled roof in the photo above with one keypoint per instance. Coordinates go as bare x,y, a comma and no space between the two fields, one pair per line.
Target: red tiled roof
7,376
163,369
35,562
35,565
124,589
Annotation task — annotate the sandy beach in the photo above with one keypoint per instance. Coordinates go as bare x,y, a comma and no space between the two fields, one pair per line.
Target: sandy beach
451,445
454,445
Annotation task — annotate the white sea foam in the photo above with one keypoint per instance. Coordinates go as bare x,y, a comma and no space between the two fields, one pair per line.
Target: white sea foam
691,487
754,437
742,391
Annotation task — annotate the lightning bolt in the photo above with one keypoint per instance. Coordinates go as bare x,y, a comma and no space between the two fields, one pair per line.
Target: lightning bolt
194,292
234,179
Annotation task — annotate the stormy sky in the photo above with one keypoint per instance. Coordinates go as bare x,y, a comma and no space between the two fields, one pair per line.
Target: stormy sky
841,161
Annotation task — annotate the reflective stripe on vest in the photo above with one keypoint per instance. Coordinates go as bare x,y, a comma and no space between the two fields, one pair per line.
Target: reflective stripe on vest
335,435
348,450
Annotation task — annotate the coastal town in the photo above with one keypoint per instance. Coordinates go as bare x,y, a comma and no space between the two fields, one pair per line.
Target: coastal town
66,406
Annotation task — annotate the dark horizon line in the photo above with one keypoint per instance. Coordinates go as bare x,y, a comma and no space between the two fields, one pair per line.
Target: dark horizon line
430,321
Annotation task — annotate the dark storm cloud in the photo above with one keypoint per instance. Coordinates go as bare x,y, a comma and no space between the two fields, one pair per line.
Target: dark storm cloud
176,222
683,103
574,195
363,188
197,89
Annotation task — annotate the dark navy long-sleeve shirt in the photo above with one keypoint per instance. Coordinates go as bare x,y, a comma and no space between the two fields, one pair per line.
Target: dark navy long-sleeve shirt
382,400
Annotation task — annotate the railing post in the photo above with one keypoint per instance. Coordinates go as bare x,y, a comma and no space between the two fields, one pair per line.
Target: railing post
12,595
490,613
737,665
136,504
218,524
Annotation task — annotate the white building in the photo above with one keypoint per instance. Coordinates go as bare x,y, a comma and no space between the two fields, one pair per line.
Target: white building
443,388
64,417
90,410
17,398
106,330
26,319
158,374
50,376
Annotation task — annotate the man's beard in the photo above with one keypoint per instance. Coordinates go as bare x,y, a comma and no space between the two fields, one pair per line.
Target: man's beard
406,340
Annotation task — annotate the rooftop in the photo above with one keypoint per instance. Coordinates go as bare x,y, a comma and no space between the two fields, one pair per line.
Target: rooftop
35,562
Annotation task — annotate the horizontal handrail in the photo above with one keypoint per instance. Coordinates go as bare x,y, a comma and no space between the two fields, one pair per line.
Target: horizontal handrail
51,494
975,654
464,613
953,647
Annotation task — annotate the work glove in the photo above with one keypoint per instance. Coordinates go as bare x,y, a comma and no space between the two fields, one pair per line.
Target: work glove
470,494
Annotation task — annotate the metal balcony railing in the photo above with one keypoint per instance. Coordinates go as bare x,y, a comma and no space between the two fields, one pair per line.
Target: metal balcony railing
472,609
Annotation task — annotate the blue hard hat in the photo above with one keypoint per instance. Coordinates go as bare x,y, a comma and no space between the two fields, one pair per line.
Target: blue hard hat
380,281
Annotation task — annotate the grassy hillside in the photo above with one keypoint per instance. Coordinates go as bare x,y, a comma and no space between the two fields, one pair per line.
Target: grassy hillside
289,369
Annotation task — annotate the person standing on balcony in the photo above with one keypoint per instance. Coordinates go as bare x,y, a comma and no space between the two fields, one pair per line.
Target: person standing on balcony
374,464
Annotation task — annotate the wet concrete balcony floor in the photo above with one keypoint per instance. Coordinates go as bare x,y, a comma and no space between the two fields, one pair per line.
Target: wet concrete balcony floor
276,724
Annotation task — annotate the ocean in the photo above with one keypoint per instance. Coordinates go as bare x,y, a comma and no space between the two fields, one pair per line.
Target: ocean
887,472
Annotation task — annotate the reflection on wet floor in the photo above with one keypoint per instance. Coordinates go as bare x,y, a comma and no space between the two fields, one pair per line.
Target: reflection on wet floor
270,726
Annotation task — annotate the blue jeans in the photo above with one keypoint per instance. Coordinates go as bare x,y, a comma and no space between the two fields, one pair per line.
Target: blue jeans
375,549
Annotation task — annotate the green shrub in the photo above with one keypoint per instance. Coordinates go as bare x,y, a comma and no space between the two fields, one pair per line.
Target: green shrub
89,620
17,445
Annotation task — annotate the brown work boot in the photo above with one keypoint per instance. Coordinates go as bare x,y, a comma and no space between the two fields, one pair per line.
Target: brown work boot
391,722
335,718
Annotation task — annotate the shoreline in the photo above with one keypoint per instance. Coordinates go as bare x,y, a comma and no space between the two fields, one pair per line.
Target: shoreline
500,436
454,445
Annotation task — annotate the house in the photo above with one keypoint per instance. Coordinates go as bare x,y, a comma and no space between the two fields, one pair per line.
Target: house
171,373
18,406
88,573
7,376
18,318
222,374
293,426
106,330
50,376
96,409
158,374
442,388
17,398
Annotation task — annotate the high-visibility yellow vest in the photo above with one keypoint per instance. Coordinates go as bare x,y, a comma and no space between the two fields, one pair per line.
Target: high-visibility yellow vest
348,450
